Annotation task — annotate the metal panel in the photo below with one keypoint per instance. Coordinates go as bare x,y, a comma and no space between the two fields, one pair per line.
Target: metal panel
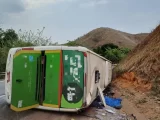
24,80
53,79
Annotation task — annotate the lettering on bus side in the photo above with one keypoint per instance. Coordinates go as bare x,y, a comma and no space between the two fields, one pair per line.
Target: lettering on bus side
72,90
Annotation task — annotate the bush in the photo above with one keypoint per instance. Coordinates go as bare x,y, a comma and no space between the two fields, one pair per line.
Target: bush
112,52
7,38
3,54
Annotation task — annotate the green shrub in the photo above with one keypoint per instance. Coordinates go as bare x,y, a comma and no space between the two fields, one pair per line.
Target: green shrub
112,52
3,58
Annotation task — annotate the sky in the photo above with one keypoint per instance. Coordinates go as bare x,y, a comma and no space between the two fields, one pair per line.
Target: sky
69,19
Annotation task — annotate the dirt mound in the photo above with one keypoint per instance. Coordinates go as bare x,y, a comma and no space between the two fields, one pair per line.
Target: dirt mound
129,79
101,36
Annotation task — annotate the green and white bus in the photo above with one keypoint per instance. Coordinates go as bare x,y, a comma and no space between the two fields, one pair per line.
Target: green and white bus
59,78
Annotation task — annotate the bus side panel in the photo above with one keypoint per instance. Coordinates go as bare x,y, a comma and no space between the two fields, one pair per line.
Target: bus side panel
108,73
95,64
73,79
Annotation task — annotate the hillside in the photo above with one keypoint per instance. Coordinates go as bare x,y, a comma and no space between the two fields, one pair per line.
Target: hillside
138,76
144,60
101,36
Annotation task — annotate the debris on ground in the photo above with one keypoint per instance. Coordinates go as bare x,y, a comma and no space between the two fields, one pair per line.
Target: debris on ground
110,111
113,102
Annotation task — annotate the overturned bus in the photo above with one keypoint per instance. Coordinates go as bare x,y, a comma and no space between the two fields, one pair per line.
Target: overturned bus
58,78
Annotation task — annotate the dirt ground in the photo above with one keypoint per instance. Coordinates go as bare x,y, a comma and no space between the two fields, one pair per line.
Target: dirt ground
137,97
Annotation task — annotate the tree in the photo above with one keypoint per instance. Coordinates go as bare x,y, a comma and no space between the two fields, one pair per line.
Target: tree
37,39
3,55
8,37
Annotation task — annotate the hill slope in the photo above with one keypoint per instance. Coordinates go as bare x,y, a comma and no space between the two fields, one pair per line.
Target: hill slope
101,36
138,76
144,60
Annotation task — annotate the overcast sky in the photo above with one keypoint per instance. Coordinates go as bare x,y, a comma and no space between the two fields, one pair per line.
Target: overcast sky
68,19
